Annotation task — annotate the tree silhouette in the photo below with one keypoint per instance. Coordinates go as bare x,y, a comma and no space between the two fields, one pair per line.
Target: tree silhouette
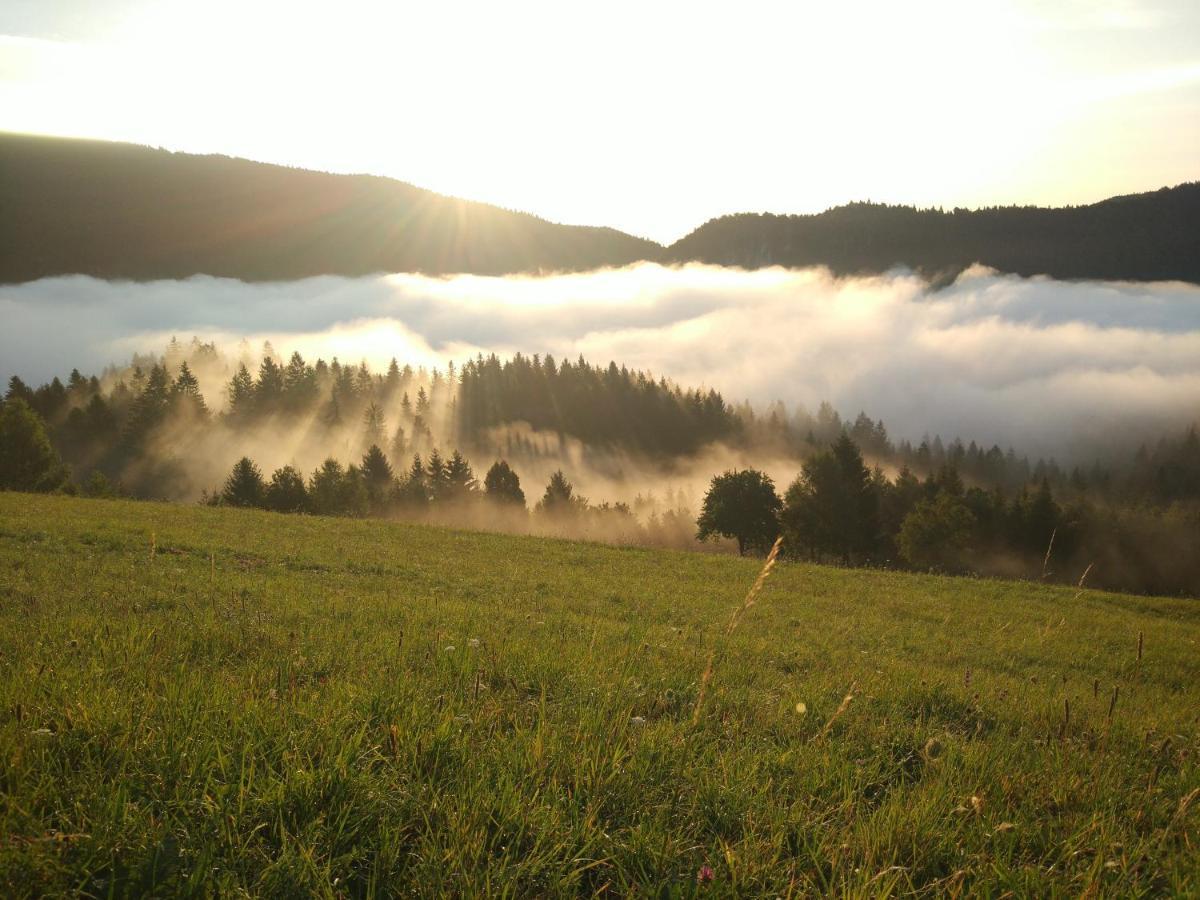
377,477
286,491
27,460
413,491
743,505
832,507
244,486
460,484
503,486
559,498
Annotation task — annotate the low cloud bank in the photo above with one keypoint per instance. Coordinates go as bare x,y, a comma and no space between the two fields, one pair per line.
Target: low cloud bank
1048,367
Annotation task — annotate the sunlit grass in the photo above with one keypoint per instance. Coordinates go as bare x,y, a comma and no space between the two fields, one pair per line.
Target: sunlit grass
197,699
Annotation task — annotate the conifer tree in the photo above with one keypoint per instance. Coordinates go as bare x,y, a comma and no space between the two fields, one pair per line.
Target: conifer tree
268,390
503,486
435,475
244,487
373,425
299,385
286,491
185,394
559,498
241,396
413,492
460,481
377,478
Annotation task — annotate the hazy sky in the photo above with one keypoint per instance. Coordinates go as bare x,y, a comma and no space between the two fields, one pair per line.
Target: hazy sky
648,116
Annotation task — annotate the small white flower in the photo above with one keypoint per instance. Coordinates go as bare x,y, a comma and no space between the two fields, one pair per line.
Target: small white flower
473,642
801,709
637,720
451,648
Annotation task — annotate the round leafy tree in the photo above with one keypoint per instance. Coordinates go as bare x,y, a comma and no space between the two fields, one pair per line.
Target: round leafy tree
741,505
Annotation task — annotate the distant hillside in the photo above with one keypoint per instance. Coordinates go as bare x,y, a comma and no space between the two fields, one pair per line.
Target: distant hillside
124,211
1142,237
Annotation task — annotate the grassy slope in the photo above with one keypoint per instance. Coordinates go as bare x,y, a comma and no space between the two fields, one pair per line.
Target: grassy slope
293,719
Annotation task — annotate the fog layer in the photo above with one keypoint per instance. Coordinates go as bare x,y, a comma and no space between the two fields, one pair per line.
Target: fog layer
1043,365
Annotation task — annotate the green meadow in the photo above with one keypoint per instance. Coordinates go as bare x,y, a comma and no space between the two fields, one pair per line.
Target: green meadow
202,701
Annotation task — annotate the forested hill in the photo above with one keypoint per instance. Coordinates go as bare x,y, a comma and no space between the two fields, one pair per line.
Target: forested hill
123,211
1141,237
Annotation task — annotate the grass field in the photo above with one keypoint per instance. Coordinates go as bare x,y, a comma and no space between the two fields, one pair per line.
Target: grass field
199,701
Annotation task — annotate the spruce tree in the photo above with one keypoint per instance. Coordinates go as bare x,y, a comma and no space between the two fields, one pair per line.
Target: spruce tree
240,394
503,486
460,481
244,487
286,491
378,478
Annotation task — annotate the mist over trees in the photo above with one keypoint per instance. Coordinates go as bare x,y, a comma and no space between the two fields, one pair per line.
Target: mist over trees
291,435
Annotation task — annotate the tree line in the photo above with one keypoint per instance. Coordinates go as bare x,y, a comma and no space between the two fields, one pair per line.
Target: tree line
842,511
384,437
1148,236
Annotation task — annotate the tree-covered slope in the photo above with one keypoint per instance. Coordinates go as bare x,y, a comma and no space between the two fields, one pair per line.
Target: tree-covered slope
123,211
1142,237
198,700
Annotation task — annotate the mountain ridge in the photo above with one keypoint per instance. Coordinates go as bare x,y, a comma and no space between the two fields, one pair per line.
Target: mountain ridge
128,212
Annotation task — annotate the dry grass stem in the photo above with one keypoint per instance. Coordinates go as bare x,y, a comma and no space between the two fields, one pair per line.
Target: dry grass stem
837,714
750,599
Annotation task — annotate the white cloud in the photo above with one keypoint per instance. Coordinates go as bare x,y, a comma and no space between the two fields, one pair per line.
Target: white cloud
1043,365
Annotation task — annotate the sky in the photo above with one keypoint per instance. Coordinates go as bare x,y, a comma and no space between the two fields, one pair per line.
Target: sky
1068,369
651,117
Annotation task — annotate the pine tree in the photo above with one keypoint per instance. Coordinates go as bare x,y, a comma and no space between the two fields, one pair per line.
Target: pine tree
244,487
149,408
413,493
559,498
833,506
241,396
391,381
286,491
185,394
373,425
398,447
503,485
460,480
377,478
435,475
268,390
299,385
19,390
